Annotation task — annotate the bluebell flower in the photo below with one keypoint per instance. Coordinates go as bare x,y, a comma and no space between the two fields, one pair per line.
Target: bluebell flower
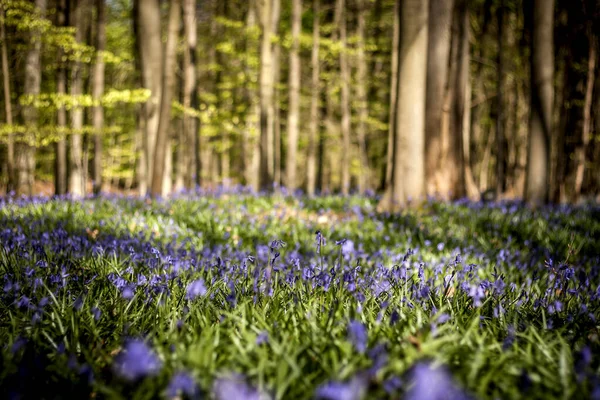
96,313
357,335
234,387
182,383
392,384
262,337
18,344
432,383
355,389
136,361
195,289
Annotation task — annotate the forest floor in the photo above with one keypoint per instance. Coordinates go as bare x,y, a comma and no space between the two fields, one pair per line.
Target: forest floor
236,295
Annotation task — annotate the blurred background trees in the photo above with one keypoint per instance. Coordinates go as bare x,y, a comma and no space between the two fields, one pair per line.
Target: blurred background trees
445,98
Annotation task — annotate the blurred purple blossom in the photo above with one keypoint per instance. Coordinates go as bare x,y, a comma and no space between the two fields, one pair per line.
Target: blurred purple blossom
195,289
357,335
182,383
432,383
136,361
355,389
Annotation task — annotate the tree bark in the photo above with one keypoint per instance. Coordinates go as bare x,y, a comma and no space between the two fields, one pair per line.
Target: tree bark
98,91
582,149
266,97
25,147
189,137
408,169
147,25
540,119
311,167
10,159
455,162
162,151
60,147
294,102
345,101
387,195
364,176
501,143
438,53
76,183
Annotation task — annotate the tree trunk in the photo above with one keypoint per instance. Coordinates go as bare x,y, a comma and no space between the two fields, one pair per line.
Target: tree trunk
500,135
162,151
252,143
455,158
582,150
364,176
189,138
60,148
438,53
408,169
98,90
387,195
540,119
147,25
25,147
276,146
294,105
311,168
266,97
345,101
76,184
10,162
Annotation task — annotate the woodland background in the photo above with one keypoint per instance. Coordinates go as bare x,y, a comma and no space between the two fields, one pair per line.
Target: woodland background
445,98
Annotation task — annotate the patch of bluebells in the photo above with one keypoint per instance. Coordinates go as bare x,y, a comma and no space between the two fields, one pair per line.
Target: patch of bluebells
58,266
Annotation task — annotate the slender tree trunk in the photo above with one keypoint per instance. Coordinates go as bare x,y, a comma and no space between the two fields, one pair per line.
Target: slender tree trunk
438,53
500,120
266,98
456,160
345,101
10,164
311,167
97,92
542,68
387,196
76,184
148,39
294,87
408,172
276,146
364,176
189,138
582,150
162,151
25,147
60,148
252,146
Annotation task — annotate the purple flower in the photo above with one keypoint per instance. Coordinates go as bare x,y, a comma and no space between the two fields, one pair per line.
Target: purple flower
262,337
357,334
128,292
392,384
136,361
234,387
334,390
195,289
183,383
96,313
18,344
477,294
432,383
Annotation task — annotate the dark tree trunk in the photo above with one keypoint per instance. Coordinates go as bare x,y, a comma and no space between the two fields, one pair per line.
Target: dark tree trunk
168,85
